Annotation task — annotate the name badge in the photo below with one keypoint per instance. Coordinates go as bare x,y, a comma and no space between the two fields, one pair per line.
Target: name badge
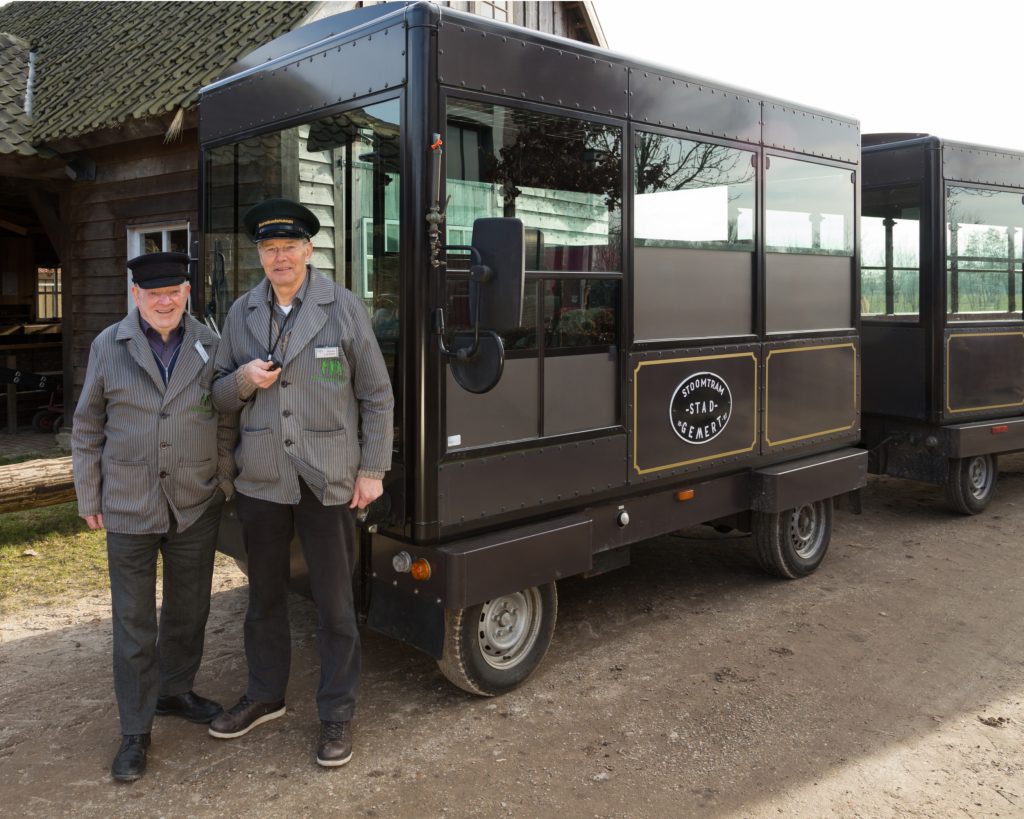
202,352
327,352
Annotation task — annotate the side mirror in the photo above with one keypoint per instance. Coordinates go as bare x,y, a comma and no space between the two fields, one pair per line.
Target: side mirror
497,273
496,298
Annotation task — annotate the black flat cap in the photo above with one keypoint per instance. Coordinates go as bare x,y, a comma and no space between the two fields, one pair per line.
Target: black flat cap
159,269
280,219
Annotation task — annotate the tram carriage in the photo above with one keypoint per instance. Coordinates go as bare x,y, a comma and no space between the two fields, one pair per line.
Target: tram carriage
615,301
943,334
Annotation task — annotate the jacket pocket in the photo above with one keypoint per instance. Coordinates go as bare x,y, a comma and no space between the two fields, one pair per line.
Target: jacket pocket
327,451
126,487
194,482
257,456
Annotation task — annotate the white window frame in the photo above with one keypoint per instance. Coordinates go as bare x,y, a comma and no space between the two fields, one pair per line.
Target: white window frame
135,247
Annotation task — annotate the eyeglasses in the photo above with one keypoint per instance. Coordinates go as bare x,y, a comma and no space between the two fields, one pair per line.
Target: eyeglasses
289,249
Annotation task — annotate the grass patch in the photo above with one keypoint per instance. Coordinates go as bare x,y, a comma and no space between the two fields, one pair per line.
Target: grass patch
7,460
71,559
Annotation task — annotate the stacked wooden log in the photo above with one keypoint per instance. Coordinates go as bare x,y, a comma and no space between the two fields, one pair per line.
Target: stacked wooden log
31,484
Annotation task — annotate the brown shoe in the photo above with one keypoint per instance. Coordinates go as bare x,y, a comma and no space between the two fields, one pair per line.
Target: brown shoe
334,748
243,716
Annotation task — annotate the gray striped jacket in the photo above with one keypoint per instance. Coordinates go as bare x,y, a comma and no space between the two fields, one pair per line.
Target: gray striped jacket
138,445
308,423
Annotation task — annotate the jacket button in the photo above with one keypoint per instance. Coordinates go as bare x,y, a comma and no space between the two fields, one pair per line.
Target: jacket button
288,442
164,445
163,474
287,413
165,415
285,383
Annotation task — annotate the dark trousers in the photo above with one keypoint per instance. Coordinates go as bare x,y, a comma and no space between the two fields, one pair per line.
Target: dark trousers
152,659
327,535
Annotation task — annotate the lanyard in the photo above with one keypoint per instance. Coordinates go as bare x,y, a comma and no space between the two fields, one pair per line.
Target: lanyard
270,325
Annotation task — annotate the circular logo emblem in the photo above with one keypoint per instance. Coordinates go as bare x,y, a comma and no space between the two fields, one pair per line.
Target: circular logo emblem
700,408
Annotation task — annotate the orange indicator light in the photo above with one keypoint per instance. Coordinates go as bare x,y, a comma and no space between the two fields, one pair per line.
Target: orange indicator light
684,495
420,570
1001,428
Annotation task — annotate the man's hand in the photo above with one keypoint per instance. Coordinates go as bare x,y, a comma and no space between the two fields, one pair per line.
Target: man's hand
94,521
258,373
366,491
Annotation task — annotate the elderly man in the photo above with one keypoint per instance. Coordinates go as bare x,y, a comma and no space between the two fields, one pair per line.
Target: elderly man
300,362
152,464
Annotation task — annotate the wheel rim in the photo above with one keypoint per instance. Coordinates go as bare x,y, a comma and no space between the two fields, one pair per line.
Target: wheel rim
805,531
979,477
508,628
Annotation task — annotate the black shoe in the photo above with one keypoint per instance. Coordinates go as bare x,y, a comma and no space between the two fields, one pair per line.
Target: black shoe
334,748
190,706
130,762
243,716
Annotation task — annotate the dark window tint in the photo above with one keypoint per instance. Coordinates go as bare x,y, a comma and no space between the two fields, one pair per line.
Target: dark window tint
580,313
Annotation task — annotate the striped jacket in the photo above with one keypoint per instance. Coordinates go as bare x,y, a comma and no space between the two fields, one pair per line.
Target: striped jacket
333,387
138,446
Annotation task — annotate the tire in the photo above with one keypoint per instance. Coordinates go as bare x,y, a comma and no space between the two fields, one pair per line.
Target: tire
793,543
42,421
492,648
58,424
971,483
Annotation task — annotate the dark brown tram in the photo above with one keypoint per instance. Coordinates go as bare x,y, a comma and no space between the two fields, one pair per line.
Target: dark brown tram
615,300
941,300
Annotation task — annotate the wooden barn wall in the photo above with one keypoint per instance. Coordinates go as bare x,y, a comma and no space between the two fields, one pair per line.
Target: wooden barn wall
137,183
547,16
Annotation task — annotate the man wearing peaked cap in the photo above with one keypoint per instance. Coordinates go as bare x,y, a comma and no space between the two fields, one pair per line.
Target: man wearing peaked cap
152,464
299,361
280,218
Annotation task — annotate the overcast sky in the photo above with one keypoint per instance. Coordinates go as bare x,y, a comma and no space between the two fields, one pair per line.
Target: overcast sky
953,69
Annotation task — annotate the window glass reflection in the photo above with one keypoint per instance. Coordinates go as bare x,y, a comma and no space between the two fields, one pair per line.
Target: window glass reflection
561,176
692,194
809,208
580,313
983,252
344,168
890,252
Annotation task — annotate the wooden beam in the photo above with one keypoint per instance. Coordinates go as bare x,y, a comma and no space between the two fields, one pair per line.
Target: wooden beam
47,213
13,228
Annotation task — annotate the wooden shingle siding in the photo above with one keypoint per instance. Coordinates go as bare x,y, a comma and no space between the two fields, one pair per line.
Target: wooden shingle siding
138,183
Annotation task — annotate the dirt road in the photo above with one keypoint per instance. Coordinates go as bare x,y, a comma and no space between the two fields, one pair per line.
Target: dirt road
887,684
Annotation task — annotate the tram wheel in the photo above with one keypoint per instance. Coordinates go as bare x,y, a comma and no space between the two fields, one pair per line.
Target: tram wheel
491,648
971,483
793,543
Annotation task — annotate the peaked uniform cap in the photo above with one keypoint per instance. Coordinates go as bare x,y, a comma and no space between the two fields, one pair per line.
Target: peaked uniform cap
159,269
280,219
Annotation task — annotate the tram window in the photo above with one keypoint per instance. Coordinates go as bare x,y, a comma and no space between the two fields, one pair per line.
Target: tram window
890,253
692,194
561,176
345,169
809,208
519,341
983,253
580,313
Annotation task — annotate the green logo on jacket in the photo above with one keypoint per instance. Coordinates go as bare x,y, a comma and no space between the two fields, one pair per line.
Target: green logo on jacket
331,369
205,404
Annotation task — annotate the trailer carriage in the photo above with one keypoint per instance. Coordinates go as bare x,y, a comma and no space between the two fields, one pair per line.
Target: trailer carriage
615,300
943,333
